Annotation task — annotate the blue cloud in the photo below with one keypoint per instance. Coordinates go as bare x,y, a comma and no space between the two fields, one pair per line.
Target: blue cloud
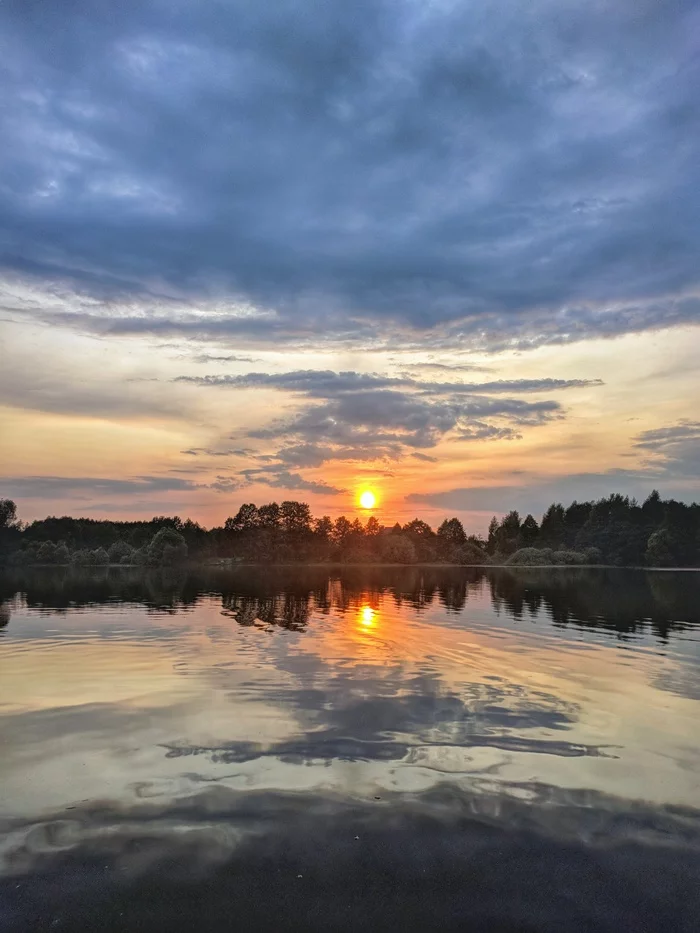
514,175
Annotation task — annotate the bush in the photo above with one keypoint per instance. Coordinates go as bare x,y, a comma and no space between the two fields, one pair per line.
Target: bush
167,547
397,549
471,553
100,557
568,557
82,557
140,556
118,551
61,555
46,553
593,555
542,557
531,557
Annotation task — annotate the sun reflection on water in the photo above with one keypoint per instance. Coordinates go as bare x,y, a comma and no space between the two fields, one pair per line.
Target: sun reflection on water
367,616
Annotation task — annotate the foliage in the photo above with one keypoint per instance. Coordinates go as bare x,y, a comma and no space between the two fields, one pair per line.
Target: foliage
119,551
167,547
614,530
397,549
8,513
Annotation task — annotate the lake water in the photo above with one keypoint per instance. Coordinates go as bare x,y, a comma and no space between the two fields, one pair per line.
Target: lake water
367,749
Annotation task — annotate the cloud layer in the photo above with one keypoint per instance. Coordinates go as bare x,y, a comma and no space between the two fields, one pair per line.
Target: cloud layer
362,417
288,170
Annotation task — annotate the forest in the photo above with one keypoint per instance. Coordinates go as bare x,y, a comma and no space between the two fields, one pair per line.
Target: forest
615,531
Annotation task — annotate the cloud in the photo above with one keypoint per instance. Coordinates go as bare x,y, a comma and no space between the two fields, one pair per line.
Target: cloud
540,492
212,358
361,417
283,479
211,452
40,379
311,173
674,449
320,383
50,487
480,431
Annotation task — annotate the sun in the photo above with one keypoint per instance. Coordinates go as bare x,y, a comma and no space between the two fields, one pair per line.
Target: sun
368,500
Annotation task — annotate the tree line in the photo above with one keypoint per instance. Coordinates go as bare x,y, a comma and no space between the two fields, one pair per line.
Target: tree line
614,530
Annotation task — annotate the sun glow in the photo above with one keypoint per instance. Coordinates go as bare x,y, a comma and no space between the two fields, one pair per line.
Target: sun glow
367,616
368,500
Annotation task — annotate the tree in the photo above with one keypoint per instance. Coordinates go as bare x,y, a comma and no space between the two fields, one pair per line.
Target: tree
492,540
529,530
167,547
450,539
324,528
8,514
296,516
341,530
418,529
372,528
506,537
269,516
245,519
10,529
552,529
661,549
452,532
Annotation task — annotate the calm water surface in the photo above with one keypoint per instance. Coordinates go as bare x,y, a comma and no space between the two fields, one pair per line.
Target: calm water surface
372,749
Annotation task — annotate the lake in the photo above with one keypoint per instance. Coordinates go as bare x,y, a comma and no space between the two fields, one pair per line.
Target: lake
358,749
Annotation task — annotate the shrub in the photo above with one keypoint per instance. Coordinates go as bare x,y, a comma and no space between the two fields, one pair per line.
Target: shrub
81,557
531,557
471,553
118,551
100,557
61,555
167,547
593,555
397,549
568,557
46,553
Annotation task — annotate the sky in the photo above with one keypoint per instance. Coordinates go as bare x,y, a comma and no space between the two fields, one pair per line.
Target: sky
444,250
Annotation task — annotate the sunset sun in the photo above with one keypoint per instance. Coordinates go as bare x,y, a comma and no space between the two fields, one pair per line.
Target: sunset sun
368,500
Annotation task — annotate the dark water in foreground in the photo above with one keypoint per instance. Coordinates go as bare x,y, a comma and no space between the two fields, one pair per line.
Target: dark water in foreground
371,750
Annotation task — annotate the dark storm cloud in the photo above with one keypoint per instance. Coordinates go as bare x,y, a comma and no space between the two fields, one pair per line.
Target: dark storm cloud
519,175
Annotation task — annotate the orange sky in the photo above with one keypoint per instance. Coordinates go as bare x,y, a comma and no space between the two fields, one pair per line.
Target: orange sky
90,412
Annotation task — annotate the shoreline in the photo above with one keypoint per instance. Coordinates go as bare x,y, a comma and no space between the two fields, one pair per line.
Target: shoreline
230,564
